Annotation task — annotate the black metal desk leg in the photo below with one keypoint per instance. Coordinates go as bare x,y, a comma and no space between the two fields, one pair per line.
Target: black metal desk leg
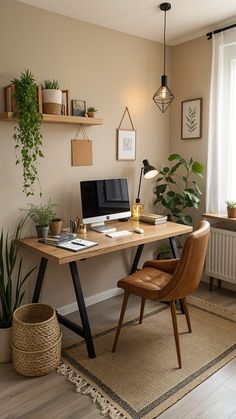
136,258
174,248
39,280
82,309
175,253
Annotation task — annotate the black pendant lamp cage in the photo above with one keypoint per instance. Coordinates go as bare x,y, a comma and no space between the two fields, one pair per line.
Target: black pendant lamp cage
163,96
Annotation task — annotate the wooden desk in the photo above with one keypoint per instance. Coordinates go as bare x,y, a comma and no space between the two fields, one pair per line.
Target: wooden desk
106,245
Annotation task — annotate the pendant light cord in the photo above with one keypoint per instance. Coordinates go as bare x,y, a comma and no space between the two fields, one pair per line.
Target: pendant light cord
165,43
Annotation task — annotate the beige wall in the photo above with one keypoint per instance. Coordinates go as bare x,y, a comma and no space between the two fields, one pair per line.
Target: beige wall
108,69
191,71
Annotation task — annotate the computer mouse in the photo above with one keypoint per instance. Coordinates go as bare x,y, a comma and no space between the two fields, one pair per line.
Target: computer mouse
138,230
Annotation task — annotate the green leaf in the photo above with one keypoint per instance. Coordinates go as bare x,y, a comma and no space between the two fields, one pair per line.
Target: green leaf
197,167
160,189
166,169
174,157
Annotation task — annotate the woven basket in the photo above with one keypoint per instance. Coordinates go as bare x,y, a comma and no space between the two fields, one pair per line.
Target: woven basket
34,327
34,364
52,108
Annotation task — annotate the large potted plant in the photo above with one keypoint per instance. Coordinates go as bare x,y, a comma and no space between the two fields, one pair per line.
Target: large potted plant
27,135
177,189
11,295
42,216
52,97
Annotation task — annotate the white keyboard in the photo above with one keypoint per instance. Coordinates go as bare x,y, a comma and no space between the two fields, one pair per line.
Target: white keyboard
121,233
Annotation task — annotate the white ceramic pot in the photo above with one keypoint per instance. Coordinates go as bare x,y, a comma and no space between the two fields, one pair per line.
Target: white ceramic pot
52,96
5,345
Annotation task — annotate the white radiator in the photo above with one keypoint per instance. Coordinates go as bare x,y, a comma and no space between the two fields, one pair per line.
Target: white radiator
221,255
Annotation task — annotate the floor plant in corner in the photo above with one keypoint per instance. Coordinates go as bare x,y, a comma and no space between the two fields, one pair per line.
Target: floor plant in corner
27,135
12,281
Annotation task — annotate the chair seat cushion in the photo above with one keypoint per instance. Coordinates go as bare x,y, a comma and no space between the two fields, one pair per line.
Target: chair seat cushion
145,283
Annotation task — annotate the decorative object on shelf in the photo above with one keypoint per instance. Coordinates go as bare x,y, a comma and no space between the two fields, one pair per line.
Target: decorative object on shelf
231,208
163,96
148,172
126,140
91,111
27,135
36,340
65,107
78,107
81,150
52,97
55,226
9,98
191,119
179,191
42,216
10,295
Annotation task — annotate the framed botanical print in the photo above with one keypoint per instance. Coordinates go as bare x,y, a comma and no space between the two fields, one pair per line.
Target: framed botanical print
126,144
191,119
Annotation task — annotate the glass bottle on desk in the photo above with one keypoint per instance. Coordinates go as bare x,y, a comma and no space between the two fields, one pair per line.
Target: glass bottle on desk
137,209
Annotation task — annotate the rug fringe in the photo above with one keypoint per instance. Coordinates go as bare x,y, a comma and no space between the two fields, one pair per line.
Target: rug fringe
83,387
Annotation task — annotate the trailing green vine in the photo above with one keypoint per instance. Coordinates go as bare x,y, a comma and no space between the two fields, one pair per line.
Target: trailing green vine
27,135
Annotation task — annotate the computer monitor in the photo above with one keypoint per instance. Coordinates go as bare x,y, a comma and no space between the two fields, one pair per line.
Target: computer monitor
104,200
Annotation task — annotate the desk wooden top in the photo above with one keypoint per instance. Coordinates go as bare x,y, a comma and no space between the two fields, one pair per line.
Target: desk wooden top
106,244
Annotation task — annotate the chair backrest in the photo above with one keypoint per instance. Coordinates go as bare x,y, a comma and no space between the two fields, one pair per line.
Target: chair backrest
187,276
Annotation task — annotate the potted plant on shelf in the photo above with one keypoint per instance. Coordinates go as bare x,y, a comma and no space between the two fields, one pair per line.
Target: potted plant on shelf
231,208
52,97
177,189
27,135
42,216
91,111
10,296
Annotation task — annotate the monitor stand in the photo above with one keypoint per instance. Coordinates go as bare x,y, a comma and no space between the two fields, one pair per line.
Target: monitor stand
102,228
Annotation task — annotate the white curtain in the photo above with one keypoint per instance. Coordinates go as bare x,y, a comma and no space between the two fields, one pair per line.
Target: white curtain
221,165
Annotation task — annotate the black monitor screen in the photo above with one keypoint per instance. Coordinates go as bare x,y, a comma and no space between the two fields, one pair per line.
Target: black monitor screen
104,197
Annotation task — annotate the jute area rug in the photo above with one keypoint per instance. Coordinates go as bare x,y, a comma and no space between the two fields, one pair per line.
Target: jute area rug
141,379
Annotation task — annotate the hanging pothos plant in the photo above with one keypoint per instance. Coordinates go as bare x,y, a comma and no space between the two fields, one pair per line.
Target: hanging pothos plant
27,135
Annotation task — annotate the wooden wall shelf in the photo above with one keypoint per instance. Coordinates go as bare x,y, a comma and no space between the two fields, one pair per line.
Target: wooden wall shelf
58,119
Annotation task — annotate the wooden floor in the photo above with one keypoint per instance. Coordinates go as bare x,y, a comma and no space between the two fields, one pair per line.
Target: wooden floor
52,397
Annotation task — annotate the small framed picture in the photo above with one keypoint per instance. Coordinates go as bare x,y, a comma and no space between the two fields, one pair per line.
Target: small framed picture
126,144
191,119
78,107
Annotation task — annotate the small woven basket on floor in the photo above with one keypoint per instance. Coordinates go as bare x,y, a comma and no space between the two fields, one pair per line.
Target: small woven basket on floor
34,327
52,108
36,339
36,363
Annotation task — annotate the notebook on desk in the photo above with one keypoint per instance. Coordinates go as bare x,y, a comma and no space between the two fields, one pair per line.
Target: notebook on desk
77,245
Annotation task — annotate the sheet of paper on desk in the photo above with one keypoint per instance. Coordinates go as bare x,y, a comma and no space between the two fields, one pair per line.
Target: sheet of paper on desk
77,245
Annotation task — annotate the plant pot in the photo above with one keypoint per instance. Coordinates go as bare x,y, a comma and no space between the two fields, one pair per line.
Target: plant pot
90,114
42,231
231,212
52,101
5,345
55,227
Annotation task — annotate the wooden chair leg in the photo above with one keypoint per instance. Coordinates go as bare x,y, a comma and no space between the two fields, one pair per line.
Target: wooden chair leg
142,310
175,327
219,283
187,314
211,280
122,313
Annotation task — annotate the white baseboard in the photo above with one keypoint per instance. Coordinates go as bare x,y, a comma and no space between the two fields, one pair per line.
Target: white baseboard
102,296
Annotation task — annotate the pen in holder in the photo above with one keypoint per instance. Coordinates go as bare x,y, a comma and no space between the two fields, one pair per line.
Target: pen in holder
74,225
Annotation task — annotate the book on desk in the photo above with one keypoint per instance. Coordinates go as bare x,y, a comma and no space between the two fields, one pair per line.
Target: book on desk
153,218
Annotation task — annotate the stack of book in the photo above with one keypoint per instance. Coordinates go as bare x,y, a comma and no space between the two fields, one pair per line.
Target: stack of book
59,238
153,218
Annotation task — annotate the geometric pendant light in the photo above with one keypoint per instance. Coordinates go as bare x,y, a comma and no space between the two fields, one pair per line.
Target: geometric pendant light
163,96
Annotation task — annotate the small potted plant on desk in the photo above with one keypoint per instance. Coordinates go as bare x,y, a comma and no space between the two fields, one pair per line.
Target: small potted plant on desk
42,216
91,111
55,226
231,208
10,296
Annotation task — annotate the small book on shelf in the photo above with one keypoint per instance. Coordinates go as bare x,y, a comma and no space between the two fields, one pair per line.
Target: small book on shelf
153,218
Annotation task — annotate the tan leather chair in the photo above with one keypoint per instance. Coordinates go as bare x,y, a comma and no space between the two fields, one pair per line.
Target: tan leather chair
168,280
